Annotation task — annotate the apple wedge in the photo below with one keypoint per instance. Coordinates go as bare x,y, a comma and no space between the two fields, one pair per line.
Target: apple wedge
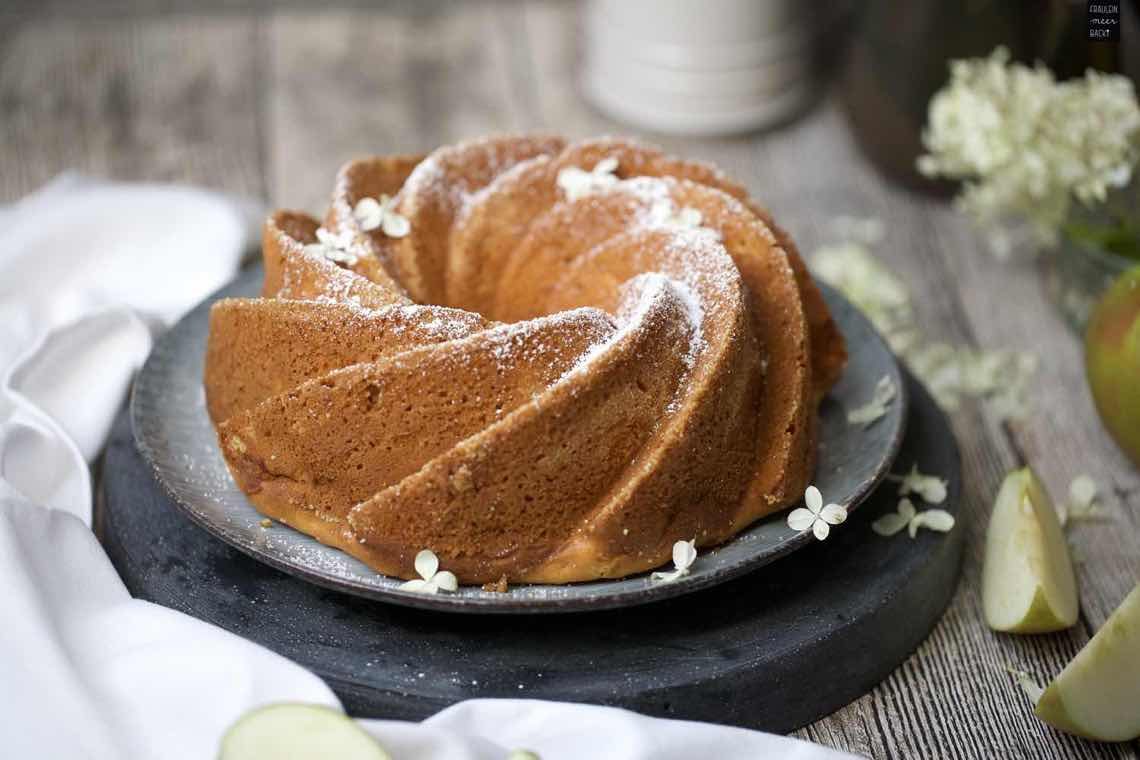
1097,695
1028,585
298,732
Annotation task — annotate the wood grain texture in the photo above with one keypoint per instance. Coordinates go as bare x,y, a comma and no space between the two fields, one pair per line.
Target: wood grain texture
155,98
345,84
270,101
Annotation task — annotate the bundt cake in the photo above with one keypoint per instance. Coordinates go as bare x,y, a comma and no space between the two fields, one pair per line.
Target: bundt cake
541,360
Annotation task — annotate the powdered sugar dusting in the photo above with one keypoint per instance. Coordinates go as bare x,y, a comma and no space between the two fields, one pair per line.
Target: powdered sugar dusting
695,270
576,183
647,297
452,174
436,322
526,340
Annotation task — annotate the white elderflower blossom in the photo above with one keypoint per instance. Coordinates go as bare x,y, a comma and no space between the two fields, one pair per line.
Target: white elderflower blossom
373,213
664,213
1026,145
432,580
815,516
907,516
576,182
930,488
336,247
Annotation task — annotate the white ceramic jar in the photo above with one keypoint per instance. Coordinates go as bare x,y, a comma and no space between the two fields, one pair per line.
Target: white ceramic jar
703,67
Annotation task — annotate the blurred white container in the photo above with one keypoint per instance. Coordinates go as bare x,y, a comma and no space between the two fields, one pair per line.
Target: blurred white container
703,67
706,22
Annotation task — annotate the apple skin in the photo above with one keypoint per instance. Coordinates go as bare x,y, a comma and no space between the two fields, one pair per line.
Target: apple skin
1112,361
1097,695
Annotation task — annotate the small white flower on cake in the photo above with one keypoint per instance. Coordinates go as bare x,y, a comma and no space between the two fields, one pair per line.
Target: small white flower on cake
876,408
340,240
684,555
371,213
929,488
910,518
816,517
664,213
333,246
577,183
432,579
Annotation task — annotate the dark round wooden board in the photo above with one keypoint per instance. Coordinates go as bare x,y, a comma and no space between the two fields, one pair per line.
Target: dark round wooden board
774,649
174,434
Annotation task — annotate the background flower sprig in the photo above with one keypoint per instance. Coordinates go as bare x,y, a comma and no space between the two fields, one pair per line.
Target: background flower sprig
1027,146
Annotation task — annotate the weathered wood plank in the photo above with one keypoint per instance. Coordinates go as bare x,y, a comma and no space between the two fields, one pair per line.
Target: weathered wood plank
1063,438
931,706
162,98
352,83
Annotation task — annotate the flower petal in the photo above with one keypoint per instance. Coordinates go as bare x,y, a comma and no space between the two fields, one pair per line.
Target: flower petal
876,408
426,564
889,524
325,237
1031,688
1082,491
834,514
800,519
684,554
933,490
821,529
813,499
936,519
446,580
913,525
607,165
368,213
665,577
395,226
930,488
906,509
419,586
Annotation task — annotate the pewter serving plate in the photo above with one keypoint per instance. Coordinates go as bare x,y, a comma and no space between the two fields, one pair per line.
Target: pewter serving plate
174,434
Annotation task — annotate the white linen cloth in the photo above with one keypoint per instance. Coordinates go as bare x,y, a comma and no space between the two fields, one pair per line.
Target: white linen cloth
87,271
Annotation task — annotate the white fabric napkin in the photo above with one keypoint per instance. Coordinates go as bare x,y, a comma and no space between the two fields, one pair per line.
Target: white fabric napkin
88,271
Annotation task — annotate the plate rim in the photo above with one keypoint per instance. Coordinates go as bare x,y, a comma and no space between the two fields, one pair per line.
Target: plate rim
504,603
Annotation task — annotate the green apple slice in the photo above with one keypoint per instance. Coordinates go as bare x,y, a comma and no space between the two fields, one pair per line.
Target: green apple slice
298,732
1097,695
1028,585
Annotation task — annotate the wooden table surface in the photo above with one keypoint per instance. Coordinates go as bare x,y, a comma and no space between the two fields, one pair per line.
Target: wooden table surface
268,102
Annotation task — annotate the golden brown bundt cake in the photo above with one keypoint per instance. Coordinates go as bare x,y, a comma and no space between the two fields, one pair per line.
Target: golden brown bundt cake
539,360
